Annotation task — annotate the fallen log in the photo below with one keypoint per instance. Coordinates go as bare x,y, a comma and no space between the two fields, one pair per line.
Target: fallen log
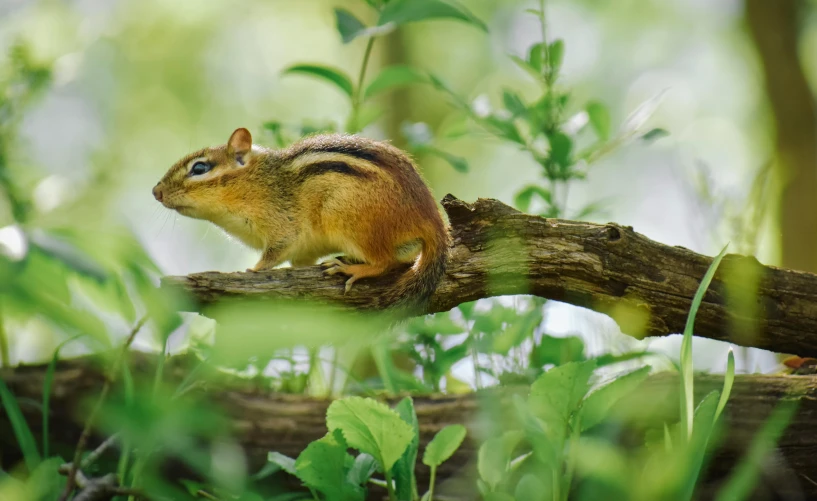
263,421
645,286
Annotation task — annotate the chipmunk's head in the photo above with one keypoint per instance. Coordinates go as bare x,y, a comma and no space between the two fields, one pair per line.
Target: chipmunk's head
207,182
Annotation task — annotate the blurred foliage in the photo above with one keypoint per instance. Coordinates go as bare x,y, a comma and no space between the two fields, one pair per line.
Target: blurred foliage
89,282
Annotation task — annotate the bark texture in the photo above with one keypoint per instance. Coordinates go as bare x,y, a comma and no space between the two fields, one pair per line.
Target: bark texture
263,421
645,286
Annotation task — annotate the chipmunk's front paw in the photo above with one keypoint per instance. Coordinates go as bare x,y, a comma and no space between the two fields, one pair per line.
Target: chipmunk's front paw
335,266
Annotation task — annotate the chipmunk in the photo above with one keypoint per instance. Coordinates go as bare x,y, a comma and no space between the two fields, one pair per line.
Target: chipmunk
323,195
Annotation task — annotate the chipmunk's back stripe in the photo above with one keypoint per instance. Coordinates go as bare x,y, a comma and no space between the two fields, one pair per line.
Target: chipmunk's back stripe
352,150
325,167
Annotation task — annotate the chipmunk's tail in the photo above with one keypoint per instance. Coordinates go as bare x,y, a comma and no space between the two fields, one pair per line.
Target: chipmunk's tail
414,288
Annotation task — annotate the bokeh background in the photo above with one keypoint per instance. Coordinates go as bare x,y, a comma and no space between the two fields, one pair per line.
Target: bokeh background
140,83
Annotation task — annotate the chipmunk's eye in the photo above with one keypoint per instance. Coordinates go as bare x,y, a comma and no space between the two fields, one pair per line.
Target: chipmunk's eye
199,168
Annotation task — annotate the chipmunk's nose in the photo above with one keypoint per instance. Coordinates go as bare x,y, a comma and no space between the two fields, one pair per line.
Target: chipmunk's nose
157,193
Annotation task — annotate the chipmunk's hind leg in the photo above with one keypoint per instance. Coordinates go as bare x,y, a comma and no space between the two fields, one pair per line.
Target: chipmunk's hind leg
355,271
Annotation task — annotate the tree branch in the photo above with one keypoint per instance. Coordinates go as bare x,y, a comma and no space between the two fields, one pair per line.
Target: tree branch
645,286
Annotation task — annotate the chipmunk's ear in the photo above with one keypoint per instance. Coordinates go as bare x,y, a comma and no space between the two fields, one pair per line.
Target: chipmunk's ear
239,145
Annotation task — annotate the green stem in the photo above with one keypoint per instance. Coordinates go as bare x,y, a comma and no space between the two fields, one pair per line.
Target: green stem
545,51
333,370
571,458
431,483
356,97
390,486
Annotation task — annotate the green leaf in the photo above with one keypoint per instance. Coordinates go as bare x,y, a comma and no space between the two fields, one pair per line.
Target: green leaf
444,444
286,463
527,67
362,470
655,134
504,128
394,76
535,55
25,439
704,421
332,75
687,375
458,163
45,482
543,447
494,457
348,25
599,119
371,427
513,103
404,476
598,404
402,12
518,331
728,379
557,351
561,148
530,488
556,54
523,199
322,466
556,394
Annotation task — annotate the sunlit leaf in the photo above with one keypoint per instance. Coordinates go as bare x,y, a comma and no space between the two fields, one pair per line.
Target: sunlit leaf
394,76
444,444
402,12
556,394
331,75
599,119
370,427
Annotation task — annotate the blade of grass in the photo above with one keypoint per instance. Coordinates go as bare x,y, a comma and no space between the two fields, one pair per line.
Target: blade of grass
49,381
687,390
728,379
22,432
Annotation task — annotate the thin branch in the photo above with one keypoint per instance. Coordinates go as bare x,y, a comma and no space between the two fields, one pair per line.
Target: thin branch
86,432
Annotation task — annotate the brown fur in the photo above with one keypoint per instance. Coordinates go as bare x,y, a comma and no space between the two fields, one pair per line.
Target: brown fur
323,195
